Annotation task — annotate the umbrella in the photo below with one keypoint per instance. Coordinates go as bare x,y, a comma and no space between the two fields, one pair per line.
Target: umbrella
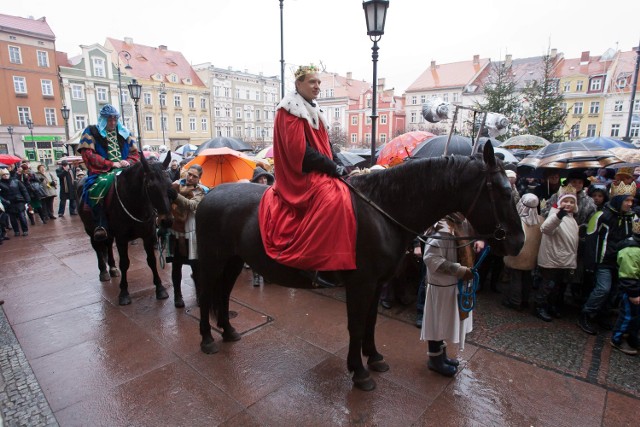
350,159
265,153
70,159
630,156
225,141
221,165
524,142
607,142
174,156
401,146
571,155
434,147
9,159
186,148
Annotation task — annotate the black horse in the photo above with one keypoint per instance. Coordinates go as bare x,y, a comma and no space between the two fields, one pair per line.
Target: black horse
140,199
416,194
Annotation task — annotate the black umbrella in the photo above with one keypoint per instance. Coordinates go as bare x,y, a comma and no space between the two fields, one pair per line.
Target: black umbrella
434,147
350,159
225,141
571,155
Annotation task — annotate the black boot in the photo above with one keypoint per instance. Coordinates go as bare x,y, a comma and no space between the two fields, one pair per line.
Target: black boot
585,323
542,313
100,220
448,361
437,360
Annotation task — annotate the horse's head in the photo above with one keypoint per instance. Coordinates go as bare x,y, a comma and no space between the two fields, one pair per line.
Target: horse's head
493,211
156,182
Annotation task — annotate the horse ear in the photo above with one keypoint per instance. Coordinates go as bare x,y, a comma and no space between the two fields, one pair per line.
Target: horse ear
488,154
167,160
145,164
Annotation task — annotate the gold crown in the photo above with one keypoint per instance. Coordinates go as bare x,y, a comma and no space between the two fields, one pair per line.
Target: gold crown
306,69
622,189
567,190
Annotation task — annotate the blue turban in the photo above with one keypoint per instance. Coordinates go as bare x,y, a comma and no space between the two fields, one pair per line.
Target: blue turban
108,111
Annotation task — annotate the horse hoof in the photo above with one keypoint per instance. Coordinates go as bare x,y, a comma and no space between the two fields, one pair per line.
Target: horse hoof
104,276
178,303
231,336
124,300
114,272
161,293
209,348
378,366
364,384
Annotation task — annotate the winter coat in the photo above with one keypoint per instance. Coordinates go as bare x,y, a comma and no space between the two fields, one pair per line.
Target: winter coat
49,183
629,267
606,229
66,182
16,193
559,244
528,256
586,207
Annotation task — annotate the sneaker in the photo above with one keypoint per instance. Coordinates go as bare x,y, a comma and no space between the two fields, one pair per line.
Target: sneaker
624,347
585,324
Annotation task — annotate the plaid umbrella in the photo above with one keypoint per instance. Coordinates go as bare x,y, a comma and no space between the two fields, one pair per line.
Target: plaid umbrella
571,155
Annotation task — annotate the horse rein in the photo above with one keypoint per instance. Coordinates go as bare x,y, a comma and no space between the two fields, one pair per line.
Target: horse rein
153,214
498,234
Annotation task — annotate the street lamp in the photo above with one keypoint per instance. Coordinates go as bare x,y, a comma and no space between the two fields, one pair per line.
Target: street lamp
127,56
65,115
375,12
634,85
163,100
281,51
13,147
30,126
135,90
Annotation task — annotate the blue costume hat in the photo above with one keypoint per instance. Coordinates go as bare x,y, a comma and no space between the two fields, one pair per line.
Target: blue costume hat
109,111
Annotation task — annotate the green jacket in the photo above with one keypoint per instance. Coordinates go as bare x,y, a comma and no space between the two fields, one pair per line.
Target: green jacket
629,266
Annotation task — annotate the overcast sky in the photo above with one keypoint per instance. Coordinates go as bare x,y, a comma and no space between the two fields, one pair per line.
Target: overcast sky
245,34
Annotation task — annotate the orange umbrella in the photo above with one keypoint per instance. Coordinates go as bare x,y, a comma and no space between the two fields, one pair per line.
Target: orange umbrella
401,146
221,165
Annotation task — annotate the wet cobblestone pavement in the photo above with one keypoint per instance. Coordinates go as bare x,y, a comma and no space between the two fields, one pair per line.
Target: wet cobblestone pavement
70,355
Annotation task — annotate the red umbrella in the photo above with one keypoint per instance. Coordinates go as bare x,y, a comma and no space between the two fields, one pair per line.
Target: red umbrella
9,159
401,146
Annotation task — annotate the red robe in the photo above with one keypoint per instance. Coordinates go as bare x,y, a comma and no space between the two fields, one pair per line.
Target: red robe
306,219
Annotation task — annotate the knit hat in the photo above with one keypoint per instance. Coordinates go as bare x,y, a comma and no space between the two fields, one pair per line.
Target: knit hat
565,192
511,174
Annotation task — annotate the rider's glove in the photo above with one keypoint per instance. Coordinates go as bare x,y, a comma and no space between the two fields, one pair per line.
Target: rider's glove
340,171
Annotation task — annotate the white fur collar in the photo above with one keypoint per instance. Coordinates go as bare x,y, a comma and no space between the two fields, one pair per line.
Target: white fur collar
295,104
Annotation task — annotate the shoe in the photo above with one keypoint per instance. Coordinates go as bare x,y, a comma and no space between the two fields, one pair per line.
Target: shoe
53,217
585,324
447,360
419,322
100,234
541,313
25,234
437,364
60,215
624,347
386,304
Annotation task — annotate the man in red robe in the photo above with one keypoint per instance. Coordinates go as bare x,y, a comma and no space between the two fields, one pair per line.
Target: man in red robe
306,218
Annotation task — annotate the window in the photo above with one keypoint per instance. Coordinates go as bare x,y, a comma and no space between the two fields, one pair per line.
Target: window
423,99
238,113
146,98
579,86
257,114
622,82
20,84
367,138
636,105
163,123
575,131
414,100
247,115
618,106
354,138
563,106
50,117
14,55
203,103
77,92
125,96
98,67
204,124
227,92
177,101
354,120
577,108
596,84
615,130
238,131
414,116
336,113
24,113
148,123
237,93
227,112
594,107
101,94
192,102
163,99
178,124
43,58
383,119
216,111
567,86
591,131
367,120
634,130
445,97
216,91
456,97
80,122
257,95
174,79
192,124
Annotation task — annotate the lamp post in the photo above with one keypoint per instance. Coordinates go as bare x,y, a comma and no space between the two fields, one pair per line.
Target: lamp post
163,100
65,115
13,147
375,12
281,51
30,126
127,56
135,90
634,85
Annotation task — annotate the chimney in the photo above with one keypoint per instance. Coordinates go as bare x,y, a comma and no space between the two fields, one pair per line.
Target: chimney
433,64
554,53
162,47
128,40
381,82
349,75
476,59
584,58
507,61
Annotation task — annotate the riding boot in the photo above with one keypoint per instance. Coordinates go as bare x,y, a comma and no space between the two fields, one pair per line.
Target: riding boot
448,361
437,360
100,220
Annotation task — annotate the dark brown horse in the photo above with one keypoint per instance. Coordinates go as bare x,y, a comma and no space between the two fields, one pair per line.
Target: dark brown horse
139,200
416,194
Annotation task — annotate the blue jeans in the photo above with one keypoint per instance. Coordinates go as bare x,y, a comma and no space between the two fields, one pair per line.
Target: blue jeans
628,322
602,292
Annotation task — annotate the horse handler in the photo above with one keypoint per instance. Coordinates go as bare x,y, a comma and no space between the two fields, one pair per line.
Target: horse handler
105,148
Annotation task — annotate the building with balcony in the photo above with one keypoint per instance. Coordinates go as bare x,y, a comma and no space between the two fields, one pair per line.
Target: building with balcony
618,97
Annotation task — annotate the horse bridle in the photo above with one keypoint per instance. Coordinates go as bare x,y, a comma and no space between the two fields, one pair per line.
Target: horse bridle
154,213
500,233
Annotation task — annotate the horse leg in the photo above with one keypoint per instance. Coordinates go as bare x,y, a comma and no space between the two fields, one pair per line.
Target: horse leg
123,252
231,272
161,292
113,270
100,250
375,360
358,307
176,279
209,275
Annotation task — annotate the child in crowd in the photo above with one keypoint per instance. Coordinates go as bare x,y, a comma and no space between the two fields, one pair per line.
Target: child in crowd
599,196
